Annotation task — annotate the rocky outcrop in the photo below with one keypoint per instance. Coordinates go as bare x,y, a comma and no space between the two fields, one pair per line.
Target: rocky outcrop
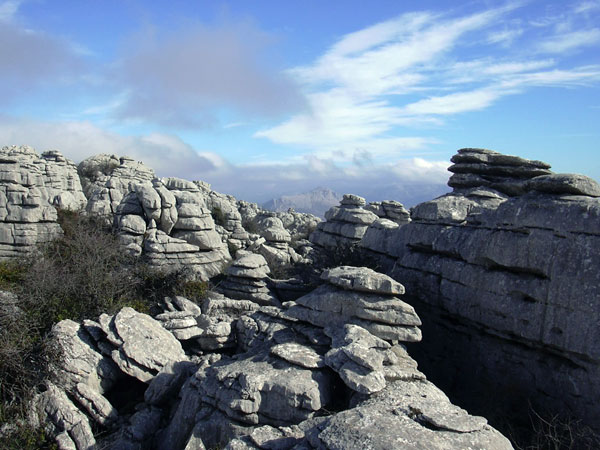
108,178
516,269
30,188
370,304
246,280
407,414
475,167
345,225
390,210
167,221
287,382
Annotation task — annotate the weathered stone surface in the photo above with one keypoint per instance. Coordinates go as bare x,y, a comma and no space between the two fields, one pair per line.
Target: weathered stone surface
565,183
30,187
54,408
390,210
298,354
250,265
257,389
142,347
413,415
345,225
353,200
168,381
80,362
384,316
362,279
485,168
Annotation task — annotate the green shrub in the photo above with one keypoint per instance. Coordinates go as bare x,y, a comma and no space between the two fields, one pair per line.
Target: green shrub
79,275
250,226
11,275
193,290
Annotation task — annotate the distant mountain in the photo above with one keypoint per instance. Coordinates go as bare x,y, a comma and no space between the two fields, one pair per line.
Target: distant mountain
316,202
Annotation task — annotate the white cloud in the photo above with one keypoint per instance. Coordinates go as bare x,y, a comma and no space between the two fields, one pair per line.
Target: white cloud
454,103
505,37
411,71
568,42
184,78
167,154
409,180
587,6
8,9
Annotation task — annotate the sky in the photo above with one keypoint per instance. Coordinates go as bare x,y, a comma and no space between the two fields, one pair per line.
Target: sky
265,98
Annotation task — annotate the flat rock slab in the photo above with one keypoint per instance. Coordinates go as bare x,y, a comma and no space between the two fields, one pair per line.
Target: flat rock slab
298,354
362,279
565,183
407,415
260,389
146,345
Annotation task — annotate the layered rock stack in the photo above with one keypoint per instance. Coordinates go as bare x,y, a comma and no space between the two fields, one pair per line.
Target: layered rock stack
345,224
209,326
61,181
270,396
275,243
246,280
108,178
476,167
360,296
516,270
28,186
297,380
390,210
167,221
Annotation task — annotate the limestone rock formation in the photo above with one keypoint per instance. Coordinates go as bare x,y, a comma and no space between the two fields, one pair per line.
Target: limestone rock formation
137,343
512,263
167,220
286,371
30,188
108,178
391,210
475,167
246,280
345,225
366,299
407,414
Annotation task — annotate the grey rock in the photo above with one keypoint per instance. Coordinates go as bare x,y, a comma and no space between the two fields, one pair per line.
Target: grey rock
565,183
413,415
362,279
384,316
53,407
257,389
353,200
144,346
300,355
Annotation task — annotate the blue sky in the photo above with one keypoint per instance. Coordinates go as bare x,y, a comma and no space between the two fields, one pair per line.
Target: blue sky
264,98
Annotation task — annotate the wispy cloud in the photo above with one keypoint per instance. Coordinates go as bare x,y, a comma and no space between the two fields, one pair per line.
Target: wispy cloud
184,78
410,179
8,9
31,58
412,71
570,41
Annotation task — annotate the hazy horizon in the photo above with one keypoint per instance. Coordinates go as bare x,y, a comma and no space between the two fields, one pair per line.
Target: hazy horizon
264,99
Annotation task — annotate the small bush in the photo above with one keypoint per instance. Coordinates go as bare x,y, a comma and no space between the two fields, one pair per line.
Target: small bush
195,291
250,226
78,276
552,431
11,275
